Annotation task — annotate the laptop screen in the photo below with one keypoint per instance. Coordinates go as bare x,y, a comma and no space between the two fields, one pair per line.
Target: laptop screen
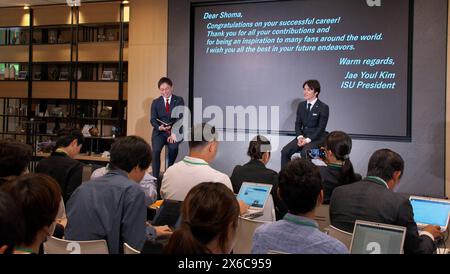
168,214
377,239
430,212
255,195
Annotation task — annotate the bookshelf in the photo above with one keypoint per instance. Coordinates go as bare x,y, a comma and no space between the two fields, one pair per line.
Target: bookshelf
75,61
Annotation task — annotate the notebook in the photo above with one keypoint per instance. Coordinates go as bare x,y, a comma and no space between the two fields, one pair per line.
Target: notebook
255,195
430,211
168,214
376,238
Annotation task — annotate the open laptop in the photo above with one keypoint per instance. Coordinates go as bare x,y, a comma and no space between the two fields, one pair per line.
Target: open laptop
168,214
376,238
430,211
255,195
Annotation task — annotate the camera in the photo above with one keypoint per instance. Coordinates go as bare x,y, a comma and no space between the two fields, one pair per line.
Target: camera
317,153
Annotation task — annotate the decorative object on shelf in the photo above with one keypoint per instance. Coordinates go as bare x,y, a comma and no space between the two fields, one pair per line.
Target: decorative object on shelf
64,76
12,72
52,73
22,75
56,112
86,130
37,75
52,37
79,74
45,147
94,132
23,38
105,112
110,35
107,75
101,37
60,39
6,72
14,39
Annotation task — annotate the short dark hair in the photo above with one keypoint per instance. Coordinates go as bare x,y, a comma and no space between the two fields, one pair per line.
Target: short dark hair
164,80
12,227
14,157
129,152
66,136
208,210
314,85
38,196
201,135
258,146
383,163
299,186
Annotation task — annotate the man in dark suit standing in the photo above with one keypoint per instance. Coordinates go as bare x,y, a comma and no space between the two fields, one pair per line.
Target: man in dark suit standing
162,122
310,123
372,199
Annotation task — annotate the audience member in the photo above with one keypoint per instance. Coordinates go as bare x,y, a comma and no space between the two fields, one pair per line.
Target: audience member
12,228
339,169
38,197
372,199
112,207
209,221
148,184
61,166
181,177
300,188
14,159
256,171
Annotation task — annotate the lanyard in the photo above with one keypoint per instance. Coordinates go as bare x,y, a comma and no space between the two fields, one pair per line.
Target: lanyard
195,163
377,180
299,222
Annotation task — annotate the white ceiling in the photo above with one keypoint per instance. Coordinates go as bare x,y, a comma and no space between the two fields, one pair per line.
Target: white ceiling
12,3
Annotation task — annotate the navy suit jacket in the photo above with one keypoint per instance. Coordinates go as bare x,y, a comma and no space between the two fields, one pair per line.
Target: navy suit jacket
312,125
158,111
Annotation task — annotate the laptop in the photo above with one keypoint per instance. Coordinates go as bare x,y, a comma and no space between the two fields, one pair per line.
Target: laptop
255,195
168,214
430,211
376,238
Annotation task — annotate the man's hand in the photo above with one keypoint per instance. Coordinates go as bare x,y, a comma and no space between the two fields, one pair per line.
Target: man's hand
434,230
301,141
164,128
172,139
243,207
163,231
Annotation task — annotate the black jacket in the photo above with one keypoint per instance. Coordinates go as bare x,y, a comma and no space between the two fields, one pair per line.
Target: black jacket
255,171
330,180
312,124
65,170
371,201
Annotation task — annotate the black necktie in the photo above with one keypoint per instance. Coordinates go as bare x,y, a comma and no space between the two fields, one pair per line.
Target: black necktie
309,107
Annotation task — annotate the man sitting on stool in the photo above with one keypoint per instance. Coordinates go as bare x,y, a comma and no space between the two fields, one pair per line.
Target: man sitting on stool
310,123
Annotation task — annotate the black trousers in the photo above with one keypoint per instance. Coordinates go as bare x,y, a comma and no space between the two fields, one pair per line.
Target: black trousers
292,147
158,142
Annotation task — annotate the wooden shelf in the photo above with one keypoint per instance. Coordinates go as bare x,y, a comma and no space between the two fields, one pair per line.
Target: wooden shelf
14,89
51,53
14,54
101,90
100,52
82,157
